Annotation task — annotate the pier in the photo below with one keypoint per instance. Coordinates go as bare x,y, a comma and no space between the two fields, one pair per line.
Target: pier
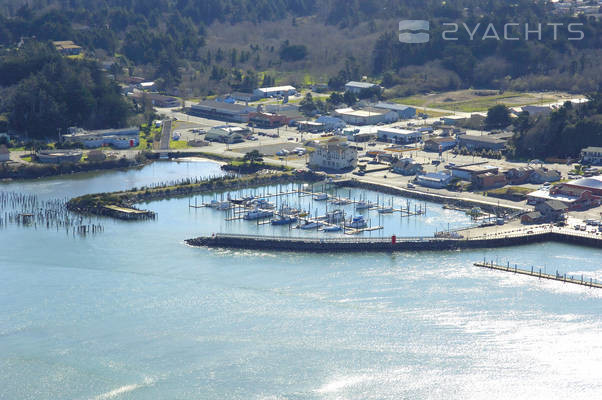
541,275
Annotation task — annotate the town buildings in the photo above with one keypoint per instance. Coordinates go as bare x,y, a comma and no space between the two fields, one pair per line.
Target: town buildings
58,156
333,154
403,112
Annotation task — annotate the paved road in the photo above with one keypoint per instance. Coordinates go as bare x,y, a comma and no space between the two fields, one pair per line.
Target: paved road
165,135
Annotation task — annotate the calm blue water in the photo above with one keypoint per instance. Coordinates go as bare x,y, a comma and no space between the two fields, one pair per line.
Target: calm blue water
133,313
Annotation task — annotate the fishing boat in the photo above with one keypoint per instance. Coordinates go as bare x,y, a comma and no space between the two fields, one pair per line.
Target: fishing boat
363,205
333,228
357,222
263,204
219,205
311,225
284,220
341,202
257,214
321,197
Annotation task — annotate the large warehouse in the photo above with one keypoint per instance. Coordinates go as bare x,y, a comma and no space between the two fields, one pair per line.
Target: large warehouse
221,111
275,91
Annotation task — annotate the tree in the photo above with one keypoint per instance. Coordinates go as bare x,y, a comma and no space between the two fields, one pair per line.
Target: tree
498,117
349,98
307,105
253,157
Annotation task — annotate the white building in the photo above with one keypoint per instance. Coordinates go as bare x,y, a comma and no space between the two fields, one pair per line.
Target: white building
356,87
366,116
226,134
592,155
275,91
331,122
335,154
398,135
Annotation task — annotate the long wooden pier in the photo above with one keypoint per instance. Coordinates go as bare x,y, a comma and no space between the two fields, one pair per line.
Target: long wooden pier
541,275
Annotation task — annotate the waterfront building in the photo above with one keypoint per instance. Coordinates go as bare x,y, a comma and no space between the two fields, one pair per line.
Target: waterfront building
334,153
437,180
468,172
122,138
407,166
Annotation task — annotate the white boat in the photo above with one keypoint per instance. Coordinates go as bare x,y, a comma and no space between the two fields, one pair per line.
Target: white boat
335,216
333,228
385,210
223,205
311,225
257,214
357,223
341,202
321,197
363,205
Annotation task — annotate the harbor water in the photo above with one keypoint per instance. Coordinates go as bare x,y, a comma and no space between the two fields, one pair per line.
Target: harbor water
134,313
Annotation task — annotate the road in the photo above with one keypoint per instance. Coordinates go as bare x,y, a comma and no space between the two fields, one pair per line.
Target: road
165,134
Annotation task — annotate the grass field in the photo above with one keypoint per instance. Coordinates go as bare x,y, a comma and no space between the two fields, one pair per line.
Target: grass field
178,144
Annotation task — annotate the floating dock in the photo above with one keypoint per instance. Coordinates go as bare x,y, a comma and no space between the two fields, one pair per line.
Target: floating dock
541,275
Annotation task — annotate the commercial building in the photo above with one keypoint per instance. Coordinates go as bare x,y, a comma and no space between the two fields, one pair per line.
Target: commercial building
226,134
58,156
311,126
398,135
356,87
267,120
360,134
490,180
331,123
580,194
242,96
403,112
592,155
543,175
366,116
333,154
407,166
439,144
468,172
472,142
275,91
437,180
117,138
552,210
221,111
67,47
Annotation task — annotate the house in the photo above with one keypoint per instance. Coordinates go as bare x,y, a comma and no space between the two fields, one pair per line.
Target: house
468,172
221,111
490,180
67,47
366,116
534,217
333,154
331,123
398,135
439,145
58,156
592,155
356,87
267,120
122,138
543,175
472,142
407,166
4,153
403,112
437,180
274,91
552,210
226,134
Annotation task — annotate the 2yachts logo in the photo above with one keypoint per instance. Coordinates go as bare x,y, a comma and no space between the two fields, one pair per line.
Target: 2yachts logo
509,31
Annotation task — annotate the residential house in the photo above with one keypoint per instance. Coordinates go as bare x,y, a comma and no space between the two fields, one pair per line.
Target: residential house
333,154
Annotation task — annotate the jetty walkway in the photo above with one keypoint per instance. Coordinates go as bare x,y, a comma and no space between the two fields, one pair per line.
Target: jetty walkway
388,244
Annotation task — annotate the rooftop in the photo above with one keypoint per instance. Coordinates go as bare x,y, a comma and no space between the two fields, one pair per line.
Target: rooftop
359,113
362,85
277,88
595,182
481,139
593,149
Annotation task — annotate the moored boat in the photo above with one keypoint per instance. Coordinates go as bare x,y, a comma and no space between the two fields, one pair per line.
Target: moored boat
257,214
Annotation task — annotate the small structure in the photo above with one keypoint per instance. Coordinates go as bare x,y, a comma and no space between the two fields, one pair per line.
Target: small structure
472,142
356,87
221,111
592,155
437,180
274,91
334,153
439,145
534,217
58,156
4,153
226,134
552,210
366,116
407,167
490,180
398,135
67,47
